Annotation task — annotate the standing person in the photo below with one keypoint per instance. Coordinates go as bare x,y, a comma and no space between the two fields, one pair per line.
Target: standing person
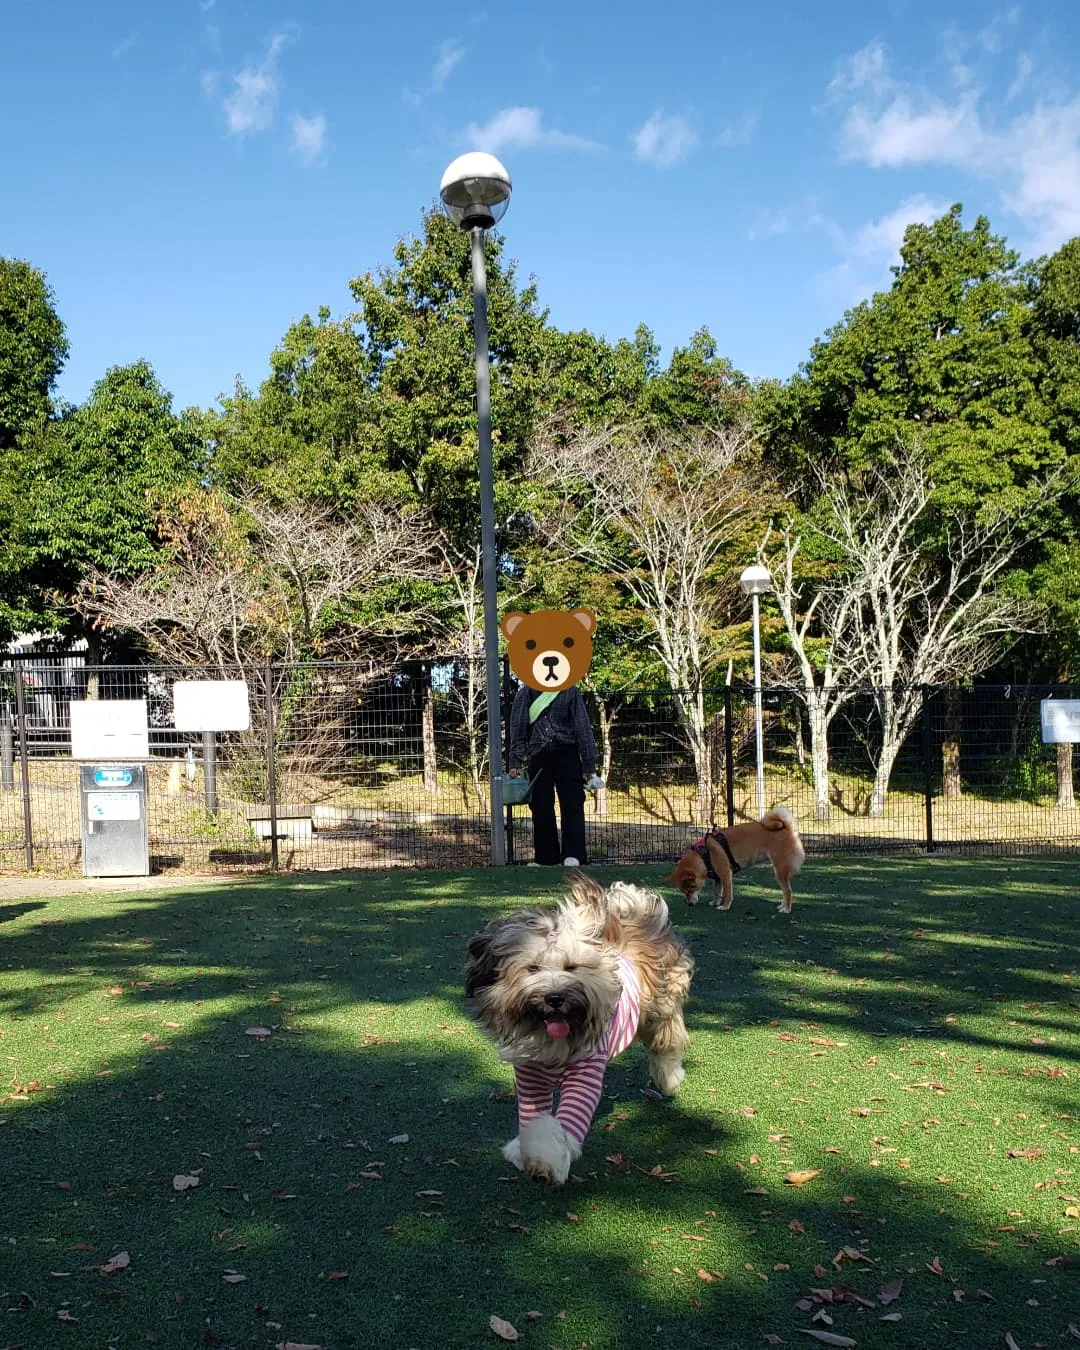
550,733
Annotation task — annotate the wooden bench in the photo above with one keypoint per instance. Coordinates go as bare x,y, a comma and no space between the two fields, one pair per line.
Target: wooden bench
294,823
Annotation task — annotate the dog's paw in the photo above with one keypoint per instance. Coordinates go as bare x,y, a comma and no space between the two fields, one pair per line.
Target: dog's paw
547,1150
512,1153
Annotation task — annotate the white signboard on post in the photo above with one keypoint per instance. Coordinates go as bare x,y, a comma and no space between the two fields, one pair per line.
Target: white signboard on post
1060,720
109,729
211,705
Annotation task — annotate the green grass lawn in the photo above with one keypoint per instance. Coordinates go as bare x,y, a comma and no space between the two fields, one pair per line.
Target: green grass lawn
908,1027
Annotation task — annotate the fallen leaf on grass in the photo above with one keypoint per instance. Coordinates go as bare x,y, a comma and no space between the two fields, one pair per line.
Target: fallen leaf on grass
429,1192
573,1218
796,1226
1072,1211
1026,1153
801,1177
260,1033
890,1317
120,1261
1074,1331
338,1275
64,1316
533,1316
755,1190
851,1254
184,1181
650,1094
502,1328
1010,1341
399,1138
934,1266
233,1277
981,1293
890,1292
706,1276
296,1345
828,1337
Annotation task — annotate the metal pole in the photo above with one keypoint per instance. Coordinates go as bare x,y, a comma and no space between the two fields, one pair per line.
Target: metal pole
7,753
928,769
757,713
271,768
24,762
487,533
209,749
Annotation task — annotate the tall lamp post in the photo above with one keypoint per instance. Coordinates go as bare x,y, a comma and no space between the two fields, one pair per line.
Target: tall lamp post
475,191
756,581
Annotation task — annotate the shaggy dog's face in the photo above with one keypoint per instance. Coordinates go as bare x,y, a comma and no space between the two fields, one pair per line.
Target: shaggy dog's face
542,984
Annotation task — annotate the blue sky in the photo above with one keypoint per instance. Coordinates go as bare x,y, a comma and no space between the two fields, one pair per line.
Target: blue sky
193,175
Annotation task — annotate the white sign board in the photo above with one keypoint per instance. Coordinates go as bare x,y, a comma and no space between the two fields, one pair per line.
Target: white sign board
112,805
109,729
1060,719
211,705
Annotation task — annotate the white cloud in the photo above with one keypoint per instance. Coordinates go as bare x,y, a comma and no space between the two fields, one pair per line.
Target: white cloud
250,106
873,248
664,141
1031,157
308,139
1024,67
206,5
209,81
523,129
450,55
122,48
740,135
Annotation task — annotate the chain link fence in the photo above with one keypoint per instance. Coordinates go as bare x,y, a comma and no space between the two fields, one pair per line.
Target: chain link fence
353,765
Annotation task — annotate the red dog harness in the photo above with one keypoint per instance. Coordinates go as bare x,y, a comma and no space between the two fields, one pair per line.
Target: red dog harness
701,848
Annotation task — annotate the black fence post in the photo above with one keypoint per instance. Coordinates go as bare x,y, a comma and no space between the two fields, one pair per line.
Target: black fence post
24,762
928,768
729,758
271,766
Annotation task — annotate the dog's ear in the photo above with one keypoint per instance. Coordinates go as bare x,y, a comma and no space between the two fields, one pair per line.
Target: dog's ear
482,969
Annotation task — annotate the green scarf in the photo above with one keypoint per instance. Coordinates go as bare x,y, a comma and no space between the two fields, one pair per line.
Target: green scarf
538,705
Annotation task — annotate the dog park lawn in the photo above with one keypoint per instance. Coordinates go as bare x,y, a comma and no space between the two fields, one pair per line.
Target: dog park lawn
906,1045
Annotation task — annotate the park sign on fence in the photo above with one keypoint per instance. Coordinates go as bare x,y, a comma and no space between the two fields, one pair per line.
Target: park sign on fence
1060,720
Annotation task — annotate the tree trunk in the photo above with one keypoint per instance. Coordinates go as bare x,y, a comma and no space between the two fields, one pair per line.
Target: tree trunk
800,744
1066,798
819,758
891,741
427,716
607,721
93,663
951,785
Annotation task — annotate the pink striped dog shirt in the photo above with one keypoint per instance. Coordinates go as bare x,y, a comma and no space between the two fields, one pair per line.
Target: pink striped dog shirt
579,1083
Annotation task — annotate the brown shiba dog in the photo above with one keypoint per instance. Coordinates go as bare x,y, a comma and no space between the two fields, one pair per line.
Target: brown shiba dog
722,853
562,991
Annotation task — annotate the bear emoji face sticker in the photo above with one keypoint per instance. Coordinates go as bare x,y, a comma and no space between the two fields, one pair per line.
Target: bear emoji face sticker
551,649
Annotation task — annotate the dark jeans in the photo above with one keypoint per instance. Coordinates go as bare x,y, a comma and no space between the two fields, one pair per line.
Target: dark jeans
557,770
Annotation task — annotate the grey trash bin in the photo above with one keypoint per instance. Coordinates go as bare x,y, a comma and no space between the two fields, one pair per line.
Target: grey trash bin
112,800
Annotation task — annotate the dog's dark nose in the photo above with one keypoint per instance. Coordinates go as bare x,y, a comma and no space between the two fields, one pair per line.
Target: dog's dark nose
555,1000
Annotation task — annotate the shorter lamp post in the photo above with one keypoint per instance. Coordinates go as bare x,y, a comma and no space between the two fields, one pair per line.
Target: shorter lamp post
475,191
756,581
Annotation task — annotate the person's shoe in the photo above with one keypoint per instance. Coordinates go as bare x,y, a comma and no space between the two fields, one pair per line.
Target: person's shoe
570,862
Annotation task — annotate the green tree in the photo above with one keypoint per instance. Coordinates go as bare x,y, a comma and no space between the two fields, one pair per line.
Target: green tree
93,483
33,349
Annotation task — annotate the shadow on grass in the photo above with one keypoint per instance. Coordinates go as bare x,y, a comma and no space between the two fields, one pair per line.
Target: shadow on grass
147,1006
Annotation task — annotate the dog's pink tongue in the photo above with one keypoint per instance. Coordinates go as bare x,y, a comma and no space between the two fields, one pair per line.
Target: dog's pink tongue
558,1029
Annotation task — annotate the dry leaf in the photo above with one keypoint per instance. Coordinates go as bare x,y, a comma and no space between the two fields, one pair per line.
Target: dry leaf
1074,1331
399,1138
796,1226
705,1275
1026,1152
232,1277
120,1261
801,1177
429,1192
64,1316
890,1292
828,1337
338,1275
890,1317
184,1181
852,1254
1072,1211
533,1316
502,1329
259,1032
296,1345
981,1293
574,1218
755,1190
1010,1342
934,1266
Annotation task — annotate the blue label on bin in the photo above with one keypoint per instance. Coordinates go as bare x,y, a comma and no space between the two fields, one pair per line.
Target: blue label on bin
112,778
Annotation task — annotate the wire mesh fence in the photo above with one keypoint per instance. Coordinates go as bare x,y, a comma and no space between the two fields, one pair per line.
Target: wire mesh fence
355,765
